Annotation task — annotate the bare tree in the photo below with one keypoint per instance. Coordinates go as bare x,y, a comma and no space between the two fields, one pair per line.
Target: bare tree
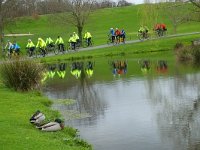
80,11
177,12
148,14
8,9
195,3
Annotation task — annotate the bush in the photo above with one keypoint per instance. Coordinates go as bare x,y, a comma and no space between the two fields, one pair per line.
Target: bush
184,54
196,54
22,74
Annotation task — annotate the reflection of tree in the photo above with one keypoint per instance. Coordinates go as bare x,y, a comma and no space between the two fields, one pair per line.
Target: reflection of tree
81,89
177,112
88,99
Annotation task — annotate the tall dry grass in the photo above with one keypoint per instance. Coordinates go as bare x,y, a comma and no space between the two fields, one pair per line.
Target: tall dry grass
21,74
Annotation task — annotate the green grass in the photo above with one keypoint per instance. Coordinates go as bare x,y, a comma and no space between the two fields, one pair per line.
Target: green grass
99,23
16,108
16,131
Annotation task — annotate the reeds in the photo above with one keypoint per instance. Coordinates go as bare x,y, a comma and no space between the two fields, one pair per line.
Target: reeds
22,74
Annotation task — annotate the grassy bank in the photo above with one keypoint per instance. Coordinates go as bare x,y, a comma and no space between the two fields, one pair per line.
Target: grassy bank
16,131
151,48
120,17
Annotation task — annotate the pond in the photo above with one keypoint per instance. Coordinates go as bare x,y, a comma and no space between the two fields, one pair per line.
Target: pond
134,108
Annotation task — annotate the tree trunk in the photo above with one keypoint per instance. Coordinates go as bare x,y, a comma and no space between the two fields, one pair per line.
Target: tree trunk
80,29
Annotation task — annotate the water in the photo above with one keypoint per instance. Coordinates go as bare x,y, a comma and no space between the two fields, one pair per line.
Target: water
135,112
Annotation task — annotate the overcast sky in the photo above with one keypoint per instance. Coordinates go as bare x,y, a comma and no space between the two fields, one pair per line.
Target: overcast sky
132,1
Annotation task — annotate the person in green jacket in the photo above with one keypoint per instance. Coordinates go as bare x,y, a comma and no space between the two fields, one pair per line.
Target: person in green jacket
49,42
42,46
77,39
72,41
60,43
88,38
31,47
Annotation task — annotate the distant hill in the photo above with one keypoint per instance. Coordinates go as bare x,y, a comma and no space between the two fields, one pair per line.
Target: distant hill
99,23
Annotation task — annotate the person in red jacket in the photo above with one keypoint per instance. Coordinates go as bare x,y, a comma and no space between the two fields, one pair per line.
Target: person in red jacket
117,35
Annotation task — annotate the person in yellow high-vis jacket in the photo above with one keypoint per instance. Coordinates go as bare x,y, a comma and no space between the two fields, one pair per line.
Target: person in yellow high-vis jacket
88,38
60,43
42,46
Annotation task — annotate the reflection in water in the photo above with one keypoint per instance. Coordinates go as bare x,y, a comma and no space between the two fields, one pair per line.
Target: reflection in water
86,95
119,67
145,65
178,112
151,112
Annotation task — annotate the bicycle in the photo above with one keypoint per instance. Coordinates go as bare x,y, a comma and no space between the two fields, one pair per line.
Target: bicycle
51,48
70,47
40,52
111,40
160,32
31,53
59,49
143,35
85,43
11,54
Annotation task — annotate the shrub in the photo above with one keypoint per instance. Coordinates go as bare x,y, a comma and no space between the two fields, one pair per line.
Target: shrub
178,46
196,54
22,74
184,54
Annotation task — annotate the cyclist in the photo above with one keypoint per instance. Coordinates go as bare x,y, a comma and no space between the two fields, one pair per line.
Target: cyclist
30,46
16,48
112,35
123,35
163,27
49,42
158,28
72,41
77,39
9,47
41,45
60,43
88,38
143,30
117,35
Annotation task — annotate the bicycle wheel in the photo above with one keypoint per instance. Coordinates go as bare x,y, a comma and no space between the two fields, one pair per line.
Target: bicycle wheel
56,50
34,54
140,36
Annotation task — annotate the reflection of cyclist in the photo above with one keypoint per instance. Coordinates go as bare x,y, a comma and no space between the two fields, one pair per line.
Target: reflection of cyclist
89,69
51,68
30,46
162,66
119,67
76,69
145,66
61,72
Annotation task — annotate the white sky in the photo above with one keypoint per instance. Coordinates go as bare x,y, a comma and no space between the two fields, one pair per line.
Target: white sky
132,1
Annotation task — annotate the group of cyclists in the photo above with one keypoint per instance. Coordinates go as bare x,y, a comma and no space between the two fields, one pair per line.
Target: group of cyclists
13,48
160,30
116,36
44,46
